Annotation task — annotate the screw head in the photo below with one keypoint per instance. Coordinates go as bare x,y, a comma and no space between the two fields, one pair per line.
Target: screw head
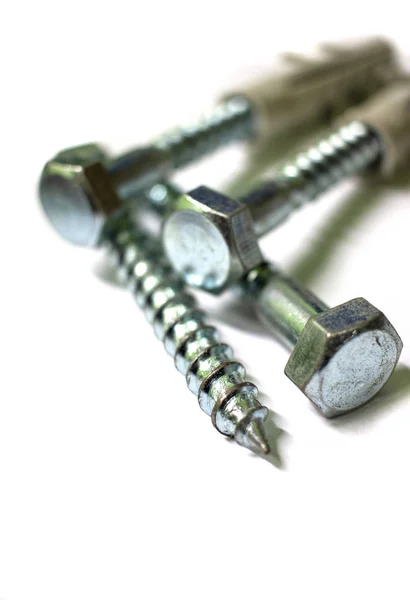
344,356
77,195
210,239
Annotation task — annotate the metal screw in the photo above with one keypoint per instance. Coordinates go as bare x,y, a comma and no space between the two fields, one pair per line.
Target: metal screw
307,91
212,373
341,357
208,364
212,240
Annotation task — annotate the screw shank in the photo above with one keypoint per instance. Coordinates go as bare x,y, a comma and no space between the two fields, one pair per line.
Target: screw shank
270,204
231,120
282,304
138,170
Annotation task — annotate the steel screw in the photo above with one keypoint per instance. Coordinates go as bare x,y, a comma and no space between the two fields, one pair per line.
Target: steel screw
316,88
212,240
212,374
341,357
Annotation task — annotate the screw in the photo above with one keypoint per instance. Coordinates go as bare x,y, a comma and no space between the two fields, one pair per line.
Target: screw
212,374
212,240
341,356
306,92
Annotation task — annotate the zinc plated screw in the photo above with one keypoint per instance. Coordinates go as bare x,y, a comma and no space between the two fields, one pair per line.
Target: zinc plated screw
307,91
212,240
341,357
211,372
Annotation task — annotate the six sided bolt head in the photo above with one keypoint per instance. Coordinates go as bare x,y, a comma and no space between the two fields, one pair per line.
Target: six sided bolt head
77,194
344,356
210,240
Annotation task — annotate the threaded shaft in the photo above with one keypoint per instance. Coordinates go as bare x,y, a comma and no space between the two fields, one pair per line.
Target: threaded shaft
345,153
231,120
349,151
207,363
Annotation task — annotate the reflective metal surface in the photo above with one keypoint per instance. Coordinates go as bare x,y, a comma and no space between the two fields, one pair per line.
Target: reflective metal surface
197,245
78,200
211,372
308,91
355,373
210,239
342,356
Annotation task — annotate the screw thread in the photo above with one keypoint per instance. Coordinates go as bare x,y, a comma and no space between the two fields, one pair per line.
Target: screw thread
211,372
229,121
349,151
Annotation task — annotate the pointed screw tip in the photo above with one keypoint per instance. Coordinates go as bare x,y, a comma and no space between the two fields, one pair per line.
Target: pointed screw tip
254,439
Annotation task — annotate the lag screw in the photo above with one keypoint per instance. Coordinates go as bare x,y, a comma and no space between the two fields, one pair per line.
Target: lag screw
212,373
343,356
212,240
304,92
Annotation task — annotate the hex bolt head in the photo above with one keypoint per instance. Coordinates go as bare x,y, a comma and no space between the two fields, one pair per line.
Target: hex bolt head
210,239
227,247
77,194
78,185
344,356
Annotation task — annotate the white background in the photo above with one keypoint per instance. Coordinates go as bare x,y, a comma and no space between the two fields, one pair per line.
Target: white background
113,483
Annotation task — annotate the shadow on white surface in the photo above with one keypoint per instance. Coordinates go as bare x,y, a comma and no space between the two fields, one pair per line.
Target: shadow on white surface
239,314
352,210
277,438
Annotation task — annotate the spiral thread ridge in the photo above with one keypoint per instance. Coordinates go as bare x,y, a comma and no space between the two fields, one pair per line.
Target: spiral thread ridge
207,363
231,120
346,152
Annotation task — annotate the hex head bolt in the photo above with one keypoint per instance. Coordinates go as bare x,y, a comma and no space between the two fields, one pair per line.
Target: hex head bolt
341,357
307,91
212,240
